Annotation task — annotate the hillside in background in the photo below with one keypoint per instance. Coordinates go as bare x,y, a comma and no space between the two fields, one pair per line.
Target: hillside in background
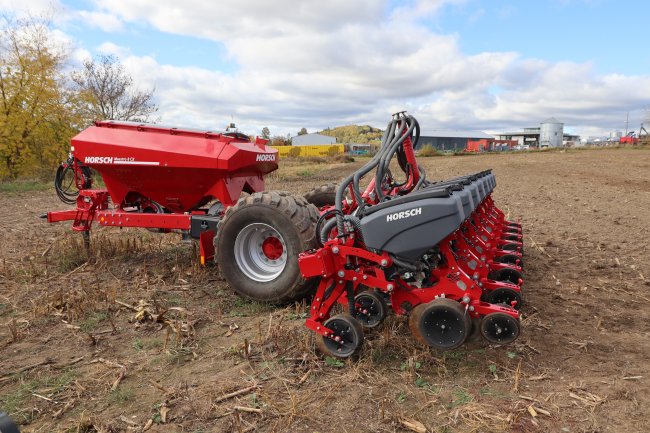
354,134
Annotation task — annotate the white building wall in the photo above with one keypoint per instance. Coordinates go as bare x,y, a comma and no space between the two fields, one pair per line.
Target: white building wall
312,140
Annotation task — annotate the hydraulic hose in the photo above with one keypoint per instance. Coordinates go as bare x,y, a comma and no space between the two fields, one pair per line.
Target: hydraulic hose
390,129
325,231
356,223
399,138
400,128
404,265
66,193
69,192
354,178
415,137
423,179
385,160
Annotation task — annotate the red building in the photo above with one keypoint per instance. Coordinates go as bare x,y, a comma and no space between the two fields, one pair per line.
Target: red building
489,145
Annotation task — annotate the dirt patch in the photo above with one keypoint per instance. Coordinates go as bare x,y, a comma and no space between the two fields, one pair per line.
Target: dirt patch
140,336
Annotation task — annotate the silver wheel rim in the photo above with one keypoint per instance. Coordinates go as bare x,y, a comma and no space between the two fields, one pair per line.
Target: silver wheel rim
250,256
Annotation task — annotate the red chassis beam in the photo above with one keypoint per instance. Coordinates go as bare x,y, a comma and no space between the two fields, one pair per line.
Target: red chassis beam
92,205
144,220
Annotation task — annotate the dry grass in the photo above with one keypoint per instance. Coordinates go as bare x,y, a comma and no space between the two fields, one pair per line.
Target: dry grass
133,334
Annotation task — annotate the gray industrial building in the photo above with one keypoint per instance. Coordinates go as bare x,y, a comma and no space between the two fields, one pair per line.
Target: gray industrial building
449,140
550,133
312,140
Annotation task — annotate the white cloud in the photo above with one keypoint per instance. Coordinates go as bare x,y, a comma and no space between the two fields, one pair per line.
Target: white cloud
102,20
79,56
109,48
23,7
420,9
317,64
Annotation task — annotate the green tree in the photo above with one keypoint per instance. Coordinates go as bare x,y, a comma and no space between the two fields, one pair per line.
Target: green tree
303,131
266,133
109,92
35,119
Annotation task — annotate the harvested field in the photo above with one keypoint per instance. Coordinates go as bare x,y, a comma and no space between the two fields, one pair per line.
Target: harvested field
139,337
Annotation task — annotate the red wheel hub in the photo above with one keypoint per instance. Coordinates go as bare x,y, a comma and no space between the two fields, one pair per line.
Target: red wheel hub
272,248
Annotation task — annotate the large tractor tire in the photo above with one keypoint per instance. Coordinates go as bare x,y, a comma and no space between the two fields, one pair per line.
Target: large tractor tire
258,242
324,195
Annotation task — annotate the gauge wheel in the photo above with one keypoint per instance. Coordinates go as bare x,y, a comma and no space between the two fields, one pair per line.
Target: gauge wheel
500,328
346,338
442,324
370,309
505,296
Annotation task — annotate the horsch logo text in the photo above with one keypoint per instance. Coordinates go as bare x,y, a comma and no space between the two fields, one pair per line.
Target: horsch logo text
404,214
98,160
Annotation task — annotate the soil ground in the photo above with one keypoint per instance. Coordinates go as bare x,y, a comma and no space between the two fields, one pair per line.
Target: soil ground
139,337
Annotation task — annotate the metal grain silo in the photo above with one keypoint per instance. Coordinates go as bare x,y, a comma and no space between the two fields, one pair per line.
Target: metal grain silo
551,132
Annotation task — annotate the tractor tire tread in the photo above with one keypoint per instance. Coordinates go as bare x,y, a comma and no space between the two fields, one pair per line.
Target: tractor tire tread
303,216
324,195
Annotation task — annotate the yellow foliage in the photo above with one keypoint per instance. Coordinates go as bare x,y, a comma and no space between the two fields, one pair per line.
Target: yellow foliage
37,112
355,134
428,150
41,108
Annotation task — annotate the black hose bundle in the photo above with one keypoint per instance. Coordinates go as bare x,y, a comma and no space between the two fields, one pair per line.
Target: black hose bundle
65,185
398,129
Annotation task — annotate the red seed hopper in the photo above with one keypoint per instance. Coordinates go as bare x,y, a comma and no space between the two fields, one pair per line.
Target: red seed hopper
159,177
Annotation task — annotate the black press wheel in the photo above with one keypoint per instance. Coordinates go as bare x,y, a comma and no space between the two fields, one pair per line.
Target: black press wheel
505,296
507,275
441,323
347,337
370,309
500,328
324,195
512,259
258,242
509,247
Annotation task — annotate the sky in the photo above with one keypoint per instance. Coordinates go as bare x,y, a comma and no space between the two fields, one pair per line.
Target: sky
454,64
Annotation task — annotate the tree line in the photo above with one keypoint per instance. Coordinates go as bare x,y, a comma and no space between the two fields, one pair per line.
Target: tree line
43,102
361,134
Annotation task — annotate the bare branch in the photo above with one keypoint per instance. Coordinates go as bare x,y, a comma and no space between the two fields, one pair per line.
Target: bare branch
111,93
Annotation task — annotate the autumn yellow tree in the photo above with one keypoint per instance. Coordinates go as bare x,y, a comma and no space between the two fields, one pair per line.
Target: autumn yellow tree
35,106
42,104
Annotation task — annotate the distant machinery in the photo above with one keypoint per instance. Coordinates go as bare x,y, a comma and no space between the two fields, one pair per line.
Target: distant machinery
630,138
551,133
633,138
